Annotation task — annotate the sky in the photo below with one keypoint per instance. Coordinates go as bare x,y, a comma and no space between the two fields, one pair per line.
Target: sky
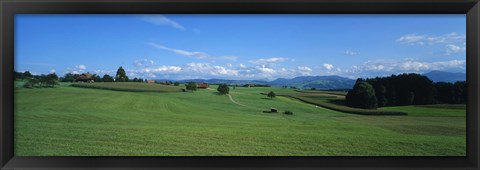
240,47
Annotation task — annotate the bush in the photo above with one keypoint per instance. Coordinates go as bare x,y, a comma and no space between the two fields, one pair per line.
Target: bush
288,112
192,86
223,89
28,85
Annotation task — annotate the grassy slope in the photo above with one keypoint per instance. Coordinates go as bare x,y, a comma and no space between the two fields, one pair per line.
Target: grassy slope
78,121
130,86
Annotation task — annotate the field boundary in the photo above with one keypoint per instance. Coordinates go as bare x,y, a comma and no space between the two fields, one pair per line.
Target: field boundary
345,109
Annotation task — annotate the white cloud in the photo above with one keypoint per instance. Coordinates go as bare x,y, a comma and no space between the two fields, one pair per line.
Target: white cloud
162,69
303,70
144,63
52,71
242,66
351,53
81,67
328,66
266,70
161,20
451,49
206,68
268,60
411,65
415,39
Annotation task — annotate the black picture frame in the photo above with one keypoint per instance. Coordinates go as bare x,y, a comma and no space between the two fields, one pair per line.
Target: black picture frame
9,8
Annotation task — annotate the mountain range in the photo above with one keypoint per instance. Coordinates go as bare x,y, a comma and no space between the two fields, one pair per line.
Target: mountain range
324,82
438,76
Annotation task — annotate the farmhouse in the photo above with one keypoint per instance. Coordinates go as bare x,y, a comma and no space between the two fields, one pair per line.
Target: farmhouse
150,81
85,78
202,85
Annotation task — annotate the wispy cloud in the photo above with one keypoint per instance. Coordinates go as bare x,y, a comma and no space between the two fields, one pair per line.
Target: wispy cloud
213,70
198,55
350,53
423,39
411,65
158,19
81,67
38,64
452,49
304,70
262,61
194,54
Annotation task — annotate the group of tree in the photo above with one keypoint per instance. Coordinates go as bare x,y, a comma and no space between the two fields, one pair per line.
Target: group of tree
120,77
191,86
22,76
168,83
49,80
404,89
223,89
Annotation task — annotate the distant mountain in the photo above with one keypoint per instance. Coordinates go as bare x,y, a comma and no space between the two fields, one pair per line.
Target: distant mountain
438,76
305,82
231,82
318,82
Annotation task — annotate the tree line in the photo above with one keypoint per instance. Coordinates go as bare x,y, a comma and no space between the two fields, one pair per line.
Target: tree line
49,80
404,89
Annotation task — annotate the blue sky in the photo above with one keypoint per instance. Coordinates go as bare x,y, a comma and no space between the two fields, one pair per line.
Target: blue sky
257,47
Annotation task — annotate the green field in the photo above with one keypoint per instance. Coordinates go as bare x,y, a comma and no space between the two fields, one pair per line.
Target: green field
73,121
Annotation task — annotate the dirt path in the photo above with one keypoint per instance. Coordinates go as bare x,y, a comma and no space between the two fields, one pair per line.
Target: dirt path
231,99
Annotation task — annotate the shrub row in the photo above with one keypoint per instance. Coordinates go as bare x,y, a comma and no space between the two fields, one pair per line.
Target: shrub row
342,108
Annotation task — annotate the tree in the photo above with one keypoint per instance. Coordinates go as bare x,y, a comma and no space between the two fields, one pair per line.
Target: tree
271,94
121,75
69,77
18,75
27,74
191,86
362,96
223,89
107,78
381,94
96,78
176,83
445,92
459,91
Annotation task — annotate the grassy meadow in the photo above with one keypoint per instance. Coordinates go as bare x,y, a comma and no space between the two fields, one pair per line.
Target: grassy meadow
163,121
